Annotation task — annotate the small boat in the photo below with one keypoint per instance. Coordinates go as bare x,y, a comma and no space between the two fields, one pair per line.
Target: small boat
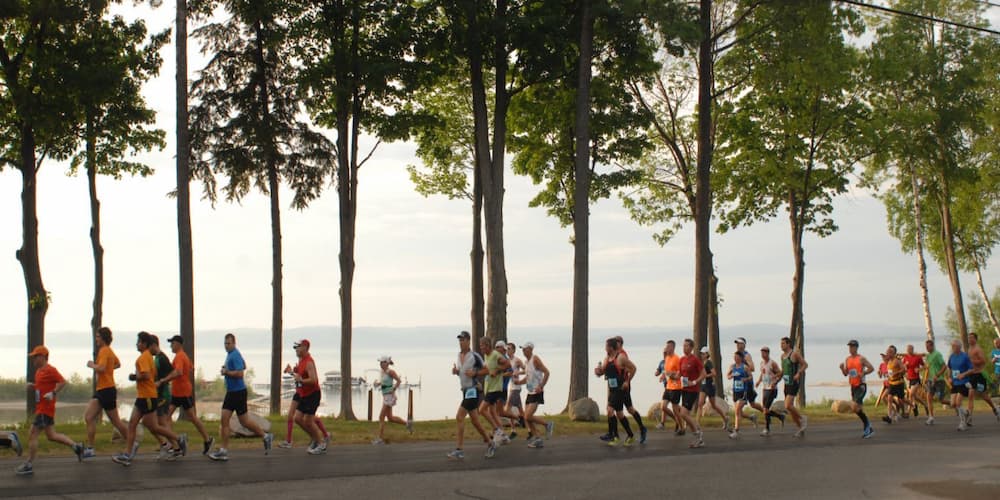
332,380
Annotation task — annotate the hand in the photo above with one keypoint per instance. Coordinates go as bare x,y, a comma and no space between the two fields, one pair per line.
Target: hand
31,385
454,369
49,396
222,371
625,385
90,364
131,376
796,377
288,368
842,367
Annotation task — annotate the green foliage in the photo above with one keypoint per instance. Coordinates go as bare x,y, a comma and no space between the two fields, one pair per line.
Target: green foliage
978,317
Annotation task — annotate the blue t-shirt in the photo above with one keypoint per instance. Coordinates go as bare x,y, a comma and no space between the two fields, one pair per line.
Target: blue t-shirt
659,371
996,361
234,362
959,363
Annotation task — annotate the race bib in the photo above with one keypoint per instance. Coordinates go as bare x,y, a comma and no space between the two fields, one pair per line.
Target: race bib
613,383
853,373
470,393
788,379
767,380
955,374
685,382
532,386
737,385
980,388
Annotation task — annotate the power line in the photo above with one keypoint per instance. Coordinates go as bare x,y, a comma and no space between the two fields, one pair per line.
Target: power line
932,19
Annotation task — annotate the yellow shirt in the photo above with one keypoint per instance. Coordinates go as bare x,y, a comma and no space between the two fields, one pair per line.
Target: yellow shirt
107,360
145,389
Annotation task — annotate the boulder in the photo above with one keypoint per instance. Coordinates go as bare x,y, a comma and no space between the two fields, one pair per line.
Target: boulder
584,410
238,430
654,412
721,403
841,407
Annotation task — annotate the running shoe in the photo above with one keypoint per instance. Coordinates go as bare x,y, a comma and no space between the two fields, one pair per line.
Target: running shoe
698,440
536,443
930,421
868,432
491,450
319,449
799,433
614,441
629,441
606,437
887,419
456,455
122,459
805,423
326,439
174,454
725,424
164,451
409,426
504,439
680,432
78,450
285,444
753,419
550,427
207,446
642,435
182,443
765,433
376,441
513,435
734,435
15,443
220,455
996,412
89,453
24,469
659,426
268,440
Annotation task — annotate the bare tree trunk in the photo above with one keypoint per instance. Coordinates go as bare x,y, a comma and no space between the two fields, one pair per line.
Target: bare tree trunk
921,263
27,255
276,290
796,331
578,382
703,195
951,263
95,235
184,241
715,349
493,184
478,304
986,299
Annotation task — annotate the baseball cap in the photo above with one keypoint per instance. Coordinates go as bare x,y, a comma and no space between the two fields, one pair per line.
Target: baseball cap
385,359
39,351
765,348
528,345
464,335
176,338
704,350
500,343
302,342
853,342
741,340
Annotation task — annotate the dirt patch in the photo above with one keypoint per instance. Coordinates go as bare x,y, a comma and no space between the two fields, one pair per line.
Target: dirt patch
953,488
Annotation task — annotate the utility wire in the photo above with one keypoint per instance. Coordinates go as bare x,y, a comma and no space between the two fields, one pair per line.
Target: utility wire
932,19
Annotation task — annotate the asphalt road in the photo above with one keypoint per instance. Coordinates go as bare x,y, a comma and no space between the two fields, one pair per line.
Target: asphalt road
907,460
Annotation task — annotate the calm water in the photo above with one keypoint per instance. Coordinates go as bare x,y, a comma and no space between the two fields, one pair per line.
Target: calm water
438,395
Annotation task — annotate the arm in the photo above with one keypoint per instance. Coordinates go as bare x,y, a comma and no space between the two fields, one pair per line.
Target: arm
802,366
629,367
545,372
502,365
170,376
701,376
311,377
868,368
392,373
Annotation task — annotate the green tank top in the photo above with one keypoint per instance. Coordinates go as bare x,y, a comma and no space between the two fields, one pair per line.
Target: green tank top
789,369
386,383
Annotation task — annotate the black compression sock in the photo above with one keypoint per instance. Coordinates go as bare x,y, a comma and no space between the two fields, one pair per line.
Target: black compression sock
628,428
767,421
638,420
612,426
864,418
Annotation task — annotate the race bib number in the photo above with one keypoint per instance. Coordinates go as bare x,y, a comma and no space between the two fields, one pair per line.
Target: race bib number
613,383
955,374
767,380
470,393
980,388
853,373
788,379
685,382
737,385
532,386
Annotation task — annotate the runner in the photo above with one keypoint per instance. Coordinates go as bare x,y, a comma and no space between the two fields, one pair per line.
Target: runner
664,407
961,367
741,347
770,375
743,392
144,409
106,393
163,397
307,396
793,368
514,406
618,371
503,411
389,382
636,414
883,373
995,356
12,441
895,376
48,383
236,401
708,391
293,407
470,366
672,393
536,375
855,368
692,373
496,365
977,382
936,385
182,391
913,363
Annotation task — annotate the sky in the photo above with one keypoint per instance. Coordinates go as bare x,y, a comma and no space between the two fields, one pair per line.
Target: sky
412,255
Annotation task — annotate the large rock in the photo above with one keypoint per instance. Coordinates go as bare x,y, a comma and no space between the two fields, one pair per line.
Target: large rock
237,430
584,410
721,403
842,407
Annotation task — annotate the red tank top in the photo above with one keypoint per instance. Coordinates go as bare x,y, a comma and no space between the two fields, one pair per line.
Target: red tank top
304,390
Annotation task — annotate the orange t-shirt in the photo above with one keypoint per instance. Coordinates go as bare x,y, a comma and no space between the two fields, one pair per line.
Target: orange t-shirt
180,387
672,363
106,359
145,389
46,379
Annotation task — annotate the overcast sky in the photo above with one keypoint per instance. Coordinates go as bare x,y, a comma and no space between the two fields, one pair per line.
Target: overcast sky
412,256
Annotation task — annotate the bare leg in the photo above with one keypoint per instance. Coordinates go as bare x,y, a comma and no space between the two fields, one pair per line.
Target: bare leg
90,418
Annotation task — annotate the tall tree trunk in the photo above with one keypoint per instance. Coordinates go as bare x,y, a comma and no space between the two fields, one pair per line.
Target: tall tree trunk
921,263
986,299
951,263
184,245
493,184
703,196
578,382
95,235
796,330
715,348
27,255
276,290
478,304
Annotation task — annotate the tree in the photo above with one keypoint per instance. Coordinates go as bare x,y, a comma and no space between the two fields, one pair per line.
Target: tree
116,118
579,152
931,86
247,126
979,319
788,126
364,61
39,119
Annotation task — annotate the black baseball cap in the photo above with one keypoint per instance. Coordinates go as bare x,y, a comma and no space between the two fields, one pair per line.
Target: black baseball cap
176,338
853,342
464,335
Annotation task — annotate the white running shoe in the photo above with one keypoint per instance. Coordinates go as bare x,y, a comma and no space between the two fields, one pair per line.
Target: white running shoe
285,444
805,423
734,435
765,433
930,421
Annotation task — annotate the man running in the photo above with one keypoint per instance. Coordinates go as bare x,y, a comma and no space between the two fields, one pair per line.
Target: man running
536,375
692,373
514,405
793,369
664,407
163,371
388,384
307,396
496,365
977,382
236,401
503,411
913,363
936,385
470,366
961,367
144,409
48,383
629,407
708,391
106,393
672,392
855,368
182,391
741,347
743,392
897,385
770,375
618,371
995,357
